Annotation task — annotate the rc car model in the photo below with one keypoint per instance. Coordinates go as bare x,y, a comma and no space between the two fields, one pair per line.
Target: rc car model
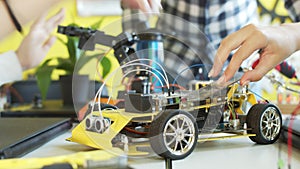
172,119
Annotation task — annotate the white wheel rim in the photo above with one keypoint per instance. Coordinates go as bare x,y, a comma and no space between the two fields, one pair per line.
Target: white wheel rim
270,123
179,134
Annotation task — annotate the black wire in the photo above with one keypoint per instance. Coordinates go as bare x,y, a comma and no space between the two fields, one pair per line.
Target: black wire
13,17
292,90
258,95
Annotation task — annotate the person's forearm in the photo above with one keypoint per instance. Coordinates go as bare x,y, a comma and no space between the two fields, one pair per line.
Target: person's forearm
9,61
293,29
24,11
297,34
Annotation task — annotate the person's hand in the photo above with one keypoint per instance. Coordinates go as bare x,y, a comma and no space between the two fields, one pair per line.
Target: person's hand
147,6
37,43
275,43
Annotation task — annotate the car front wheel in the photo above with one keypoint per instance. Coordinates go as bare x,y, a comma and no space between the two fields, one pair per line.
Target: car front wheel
174,134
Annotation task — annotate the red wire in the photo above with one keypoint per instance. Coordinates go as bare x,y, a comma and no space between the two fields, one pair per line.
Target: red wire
175,85
290,128
135,131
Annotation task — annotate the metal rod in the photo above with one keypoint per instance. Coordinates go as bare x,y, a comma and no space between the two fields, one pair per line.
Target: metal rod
168,163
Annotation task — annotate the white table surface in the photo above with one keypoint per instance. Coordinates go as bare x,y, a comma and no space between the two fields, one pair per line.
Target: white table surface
234,153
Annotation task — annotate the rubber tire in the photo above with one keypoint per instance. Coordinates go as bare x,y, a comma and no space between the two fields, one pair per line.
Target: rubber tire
156,137
254,120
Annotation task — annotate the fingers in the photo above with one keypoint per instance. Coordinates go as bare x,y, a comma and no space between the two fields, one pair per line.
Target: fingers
49,25
38,42
42,28
144,6
52,22
229,44
156,6
256,74
150,6
249,46
247,40
220,58
267,62
251,76
132,4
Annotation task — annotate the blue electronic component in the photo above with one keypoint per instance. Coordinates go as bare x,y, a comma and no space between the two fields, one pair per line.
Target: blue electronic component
150,46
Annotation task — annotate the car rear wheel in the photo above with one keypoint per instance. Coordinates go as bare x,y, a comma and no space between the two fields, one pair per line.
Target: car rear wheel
264,120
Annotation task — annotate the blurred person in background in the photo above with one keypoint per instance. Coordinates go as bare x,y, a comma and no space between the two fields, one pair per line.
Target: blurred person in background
35,44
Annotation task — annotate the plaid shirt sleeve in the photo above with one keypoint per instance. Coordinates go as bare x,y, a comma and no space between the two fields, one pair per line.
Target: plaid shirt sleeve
202,21
293,6
224,17
216,18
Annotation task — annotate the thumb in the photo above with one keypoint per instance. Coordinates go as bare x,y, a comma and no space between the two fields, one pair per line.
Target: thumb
252,76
